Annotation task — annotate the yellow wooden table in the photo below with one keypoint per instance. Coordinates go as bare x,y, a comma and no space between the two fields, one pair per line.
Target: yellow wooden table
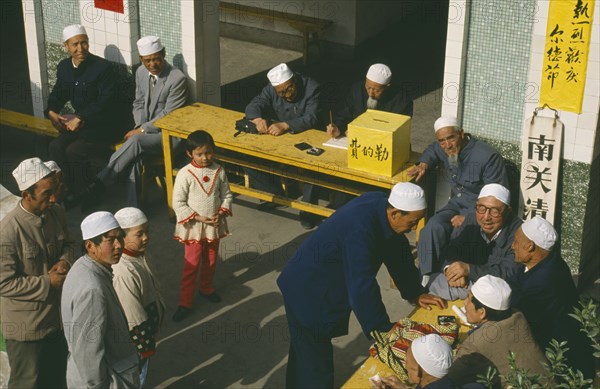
372,366
276,155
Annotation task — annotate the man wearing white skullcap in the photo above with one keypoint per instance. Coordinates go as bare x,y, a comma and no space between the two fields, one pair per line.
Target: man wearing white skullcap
137,287
340,262
290,103
160,89
545,292
376,91
498,331
470,164
101,353
37,251
480,246
99,119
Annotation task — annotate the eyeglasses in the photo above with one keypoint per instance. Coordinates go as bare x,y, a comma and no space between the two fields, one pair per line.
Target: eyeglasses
482,209
289,89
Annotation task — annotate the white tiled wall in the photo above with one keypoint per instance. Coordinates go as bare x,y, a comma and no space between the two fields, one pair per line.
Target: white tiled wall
580,129
36,55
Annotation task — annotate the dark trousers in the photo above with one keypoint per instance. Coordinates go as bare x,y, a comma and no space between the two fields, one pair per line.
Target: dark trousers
79,159
38,364
310,359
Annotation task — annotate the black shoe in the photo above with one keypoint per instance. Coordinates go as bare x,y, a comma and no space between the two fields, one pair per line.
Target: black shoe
307,224
181,313
213,297
92,196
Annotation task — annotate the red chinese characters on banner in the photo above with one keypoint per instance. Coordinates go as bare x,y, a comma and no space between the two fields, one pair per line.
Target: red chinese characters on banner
110,5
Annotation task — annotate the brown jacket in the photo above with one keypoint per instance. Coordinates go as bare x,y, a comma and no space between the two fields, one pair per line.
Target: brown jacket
30,245
489,345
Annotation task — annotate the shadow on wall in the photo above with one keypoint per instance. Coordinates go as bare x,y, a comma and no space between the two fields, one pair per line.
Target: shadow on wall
124,74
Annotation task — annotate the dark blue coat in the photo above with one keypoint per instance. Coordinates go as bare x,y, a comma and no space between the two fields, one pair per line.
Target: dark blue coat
334,271
303,114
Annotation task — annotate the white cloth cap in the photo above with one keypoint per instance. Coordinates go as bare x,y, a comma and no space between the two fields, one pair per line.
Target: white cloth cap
407,196
280,74
433,354
130,217
97,224
380,74
149,45
29,172
541,232
73,30
445,121
493,292
497,191
53,166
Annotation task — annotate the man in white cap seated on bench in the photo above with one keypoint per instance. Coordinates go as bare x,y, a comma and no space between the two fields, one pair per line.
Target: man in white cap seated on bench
470,164
101,353
375,92
160,89
481,245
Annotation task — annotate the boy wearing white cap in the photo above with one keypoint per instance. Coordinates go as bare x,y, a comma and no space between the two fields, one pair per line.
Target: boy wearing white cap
36,253
160,89
88,82
375,92
137,287
101,353
470,164
545,292
340,262
480,246
498,331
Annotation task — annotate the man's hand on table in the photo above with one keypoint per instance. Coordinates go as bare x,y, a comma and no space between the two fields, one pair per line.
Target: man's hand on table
418,171
261,125
426,300
278,128
391,382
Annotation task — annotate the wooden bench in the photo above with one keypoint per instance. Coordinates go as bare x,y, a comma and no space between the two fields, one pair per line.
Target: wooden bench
309,27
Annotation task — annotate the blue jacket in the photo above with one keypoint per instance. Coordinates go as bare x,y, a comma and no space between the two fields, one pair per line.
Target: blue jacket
334,271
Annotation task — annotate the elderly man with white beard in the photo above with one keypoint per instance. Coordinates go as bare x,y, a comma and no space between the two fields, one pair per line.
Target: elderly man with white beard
470,164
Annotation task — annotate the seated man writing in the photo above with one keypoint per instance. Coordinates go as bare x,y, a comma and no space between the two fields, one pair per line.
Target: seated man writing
482,245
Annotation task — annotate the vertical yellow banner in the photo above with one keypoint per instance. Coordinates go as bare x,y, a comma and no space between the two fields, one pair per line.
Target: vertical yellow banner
566,54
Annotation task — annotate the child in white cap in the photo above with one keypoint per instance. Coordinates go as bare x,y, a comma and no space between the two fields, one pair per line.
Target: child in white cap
201,201
137,287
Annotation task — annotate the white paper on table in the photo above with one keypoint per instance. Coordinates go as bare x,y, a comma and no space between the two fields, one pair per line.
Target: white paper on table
338,143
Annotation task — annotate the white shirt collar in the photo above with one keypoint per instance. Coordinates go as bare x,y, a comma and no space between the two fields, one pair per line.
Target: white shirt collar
488,241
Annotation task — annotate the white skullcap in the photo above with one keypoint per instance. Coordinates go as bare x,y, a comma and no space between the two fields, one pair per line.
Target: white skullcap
149,45
73,30
541,232
53,166
29,172
380,74
433,354
280,74
493,292
407,197
497,191
445,121
130,217
97,224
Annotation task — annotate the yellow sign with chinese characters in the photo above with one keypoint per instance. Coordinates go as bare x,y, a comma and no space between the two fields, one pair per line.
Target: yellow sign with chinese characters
566,52
379,142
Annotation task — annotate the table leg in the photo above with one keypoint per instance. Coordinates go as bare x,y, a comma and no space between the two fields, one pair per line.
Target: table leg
168,171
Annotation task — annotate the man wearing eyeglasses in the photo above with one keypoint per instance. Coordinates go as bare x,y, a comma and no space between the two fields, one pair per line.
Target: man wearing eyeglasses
470,164
480,246
291,103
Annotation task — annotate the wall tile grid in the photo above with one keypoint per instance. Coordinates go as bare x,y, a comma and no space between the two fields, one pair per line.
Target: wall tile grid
163,19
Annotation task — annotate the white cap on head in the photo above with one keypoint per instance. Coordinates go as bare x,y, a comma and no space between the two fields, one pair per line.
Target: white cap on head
73,30
380,74
497,191
130,217
280,74
493,292
149,45
97,224
53,166
445,121
541,232
407,196
29,172
433,354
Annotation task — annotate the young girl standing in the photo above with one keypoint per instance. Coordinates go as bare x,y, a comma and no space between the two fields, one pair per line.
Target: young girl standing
201,200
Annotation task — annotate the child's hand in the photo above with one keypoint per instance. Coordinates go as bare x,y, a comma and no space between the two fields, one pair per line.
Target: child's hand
208,220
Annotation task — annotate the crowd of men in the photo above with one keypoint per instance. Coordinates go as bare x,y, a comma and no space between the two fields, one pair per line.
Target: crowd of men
508,271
